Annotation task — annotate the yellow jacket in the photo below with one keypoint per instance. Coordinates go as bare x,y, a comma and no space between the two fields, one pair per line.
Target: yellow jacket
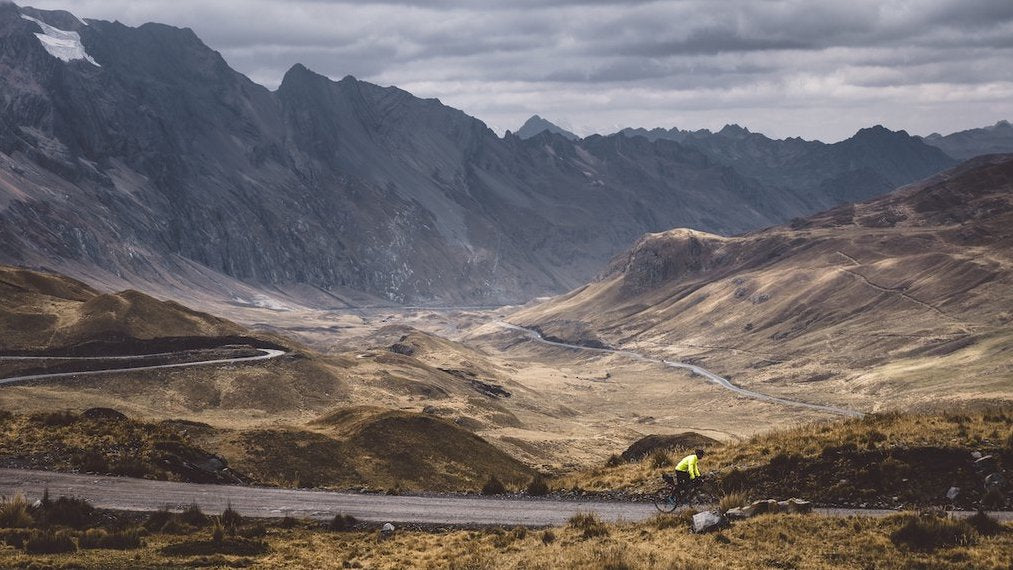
689,464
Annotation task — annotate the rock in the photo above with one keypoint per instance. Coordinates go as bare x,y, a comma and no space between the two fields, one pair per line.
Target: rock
975,455
386,531
985,465
995,481
104,414
797,506
403,349
707,521
740,513
953,493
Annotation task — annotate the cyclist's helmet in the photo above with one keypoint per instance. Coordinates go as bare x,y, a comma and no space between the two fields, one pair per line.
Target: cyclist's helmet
699,454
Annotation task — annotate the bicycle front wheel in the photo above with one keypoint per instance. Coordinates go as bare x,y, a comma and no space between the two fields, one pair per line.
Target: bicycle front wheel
665,500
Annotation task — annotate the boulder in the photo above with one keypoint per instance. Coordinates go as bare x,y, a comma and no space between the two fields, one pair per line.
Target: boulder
707,521
995,481
953,493
985,465
797,506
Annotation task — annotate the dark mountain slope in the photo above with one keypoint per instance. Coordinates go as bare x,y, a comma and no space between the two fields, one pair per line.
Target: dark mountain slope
156,166
996,139
536,125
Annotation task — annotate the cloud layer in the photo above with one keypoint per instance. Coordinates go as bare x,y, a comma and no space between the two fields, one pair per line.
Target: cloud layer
817,69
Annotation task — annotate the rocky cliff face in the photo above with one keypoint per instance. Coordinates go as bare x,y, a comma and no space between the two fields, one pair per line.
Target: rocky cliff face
143,159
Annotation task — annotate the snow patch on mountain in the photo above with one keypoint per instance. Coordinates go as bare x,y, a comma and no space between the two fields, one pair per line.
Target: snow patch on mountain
61,44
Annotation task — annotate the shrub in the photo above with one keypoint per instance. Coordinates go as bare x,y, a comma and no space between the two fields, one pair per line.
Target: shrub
493,486
231,519
130,467
589,524
66,511
127,539
288,522
49,542
581,521
927,533
548,537
614,460
993,499
254,531
91,462
985,525
659,459
54,419
217,530
193,516
157,520
14,538
343,523
538,487
232,546
731,501
14,512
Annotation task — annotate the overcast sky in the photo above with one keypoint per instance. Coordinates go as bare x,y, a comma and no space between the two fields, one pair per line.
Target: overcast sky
817,69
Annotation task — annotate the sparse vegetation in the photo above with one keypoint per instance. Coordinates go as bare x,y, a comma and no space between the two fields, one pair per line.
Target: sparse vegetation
929,531
538,487
50,542
913,457
493,486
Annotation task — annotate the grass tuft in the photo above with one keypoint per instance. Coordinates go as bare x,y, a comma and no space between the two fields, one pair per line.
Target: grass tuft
732,501
493,486
14,512
659,459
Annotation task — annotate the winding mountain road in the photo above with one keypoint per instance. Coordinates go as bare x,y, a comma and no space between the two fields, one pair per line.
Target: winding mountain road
710,376
267,354
127,494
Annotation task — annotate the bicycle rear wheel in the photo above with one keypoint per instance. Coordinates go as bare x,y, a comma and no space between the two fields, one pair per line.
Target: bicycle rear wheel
666,500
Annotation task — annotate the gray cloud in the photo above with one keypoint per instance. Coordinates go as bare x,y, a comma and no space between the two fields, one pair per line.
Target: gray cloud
820,69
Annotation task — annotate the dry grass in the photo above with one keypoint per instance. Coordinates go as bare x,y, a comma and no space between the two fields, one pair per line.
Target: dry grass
810,441
780,541
732,501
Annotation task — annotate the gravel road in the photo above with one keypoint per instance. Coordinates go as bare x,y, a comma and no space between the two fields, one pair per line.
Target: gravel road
710,376
142,495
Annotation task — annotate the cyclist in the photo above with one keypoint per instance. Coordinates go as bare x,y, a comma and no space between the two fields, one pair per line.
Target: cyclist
688,469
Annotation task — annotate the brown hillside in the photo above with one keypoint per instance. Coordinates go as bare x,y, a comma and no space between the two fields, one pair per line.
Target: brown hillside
902,300
49,312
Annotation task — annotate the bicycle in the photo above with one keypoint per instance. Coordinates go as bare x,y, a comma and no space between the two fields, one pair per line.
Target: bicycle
673,495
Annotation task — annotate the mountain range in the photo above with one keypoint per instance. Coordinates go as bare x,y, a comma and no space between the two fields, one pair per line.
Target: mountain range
136,157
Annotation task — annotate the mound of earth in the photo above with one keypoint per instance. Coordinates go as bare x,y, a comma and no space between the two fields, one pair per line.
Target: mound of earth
45,312
380,449
681,441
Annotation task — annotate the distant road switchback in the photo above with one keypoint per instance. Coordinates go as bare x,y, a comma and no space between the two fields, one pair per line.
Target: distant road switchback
710,376
267,354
